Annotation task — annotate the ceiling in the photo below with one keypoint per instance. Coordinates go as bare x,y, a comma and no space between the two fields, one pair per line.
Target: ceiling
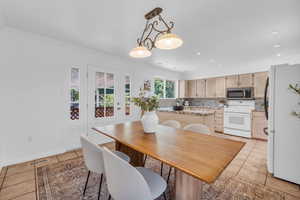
228,34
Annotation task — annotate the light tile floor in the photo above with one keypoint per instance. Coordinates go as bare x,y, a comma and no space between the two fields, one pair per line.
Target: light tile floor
18,182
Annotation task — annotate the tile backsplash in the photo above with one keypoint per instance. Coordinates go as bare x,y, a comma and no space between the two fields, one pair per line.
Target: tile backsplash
210,103
167,102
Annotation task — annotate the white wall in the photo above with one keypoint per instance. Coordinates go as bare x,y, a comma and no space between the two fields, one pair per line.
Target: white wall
34,82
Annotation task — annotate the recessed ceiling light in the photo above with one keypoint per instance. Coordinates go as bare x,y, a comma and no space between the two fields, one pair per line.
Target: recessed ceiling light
275,32
276,45
198,53
278,54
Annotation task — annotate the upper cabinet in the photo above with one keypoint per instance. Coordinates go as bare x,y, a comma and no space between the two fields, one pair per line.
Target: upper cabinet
192,88
245,80
232,81
260,79
216,87
182,89
239,81
220,87
201,88
211,88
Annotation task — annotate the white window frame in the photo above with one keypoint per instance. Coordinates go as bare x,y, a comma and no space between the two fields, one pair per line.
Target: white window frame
165,80
105,87
130,95
71,86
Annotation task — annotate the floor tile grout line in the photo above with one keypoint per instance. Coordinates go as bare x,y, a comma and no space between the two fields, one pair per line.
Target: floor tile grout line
35,180
20,196
17,173
16,183
4,177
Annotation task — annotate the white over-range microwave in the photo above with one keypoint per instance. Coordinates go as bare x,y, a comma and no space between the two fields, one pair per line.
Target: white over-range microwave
240,93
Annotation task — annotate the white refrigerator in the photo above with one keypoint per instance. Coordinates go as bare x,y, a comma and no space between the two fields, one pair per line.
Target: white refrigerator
283,128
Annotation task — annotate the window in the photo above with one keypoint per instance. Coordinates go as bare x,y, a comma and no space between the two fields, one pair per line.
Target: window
164,89
74,94
104,95
127,95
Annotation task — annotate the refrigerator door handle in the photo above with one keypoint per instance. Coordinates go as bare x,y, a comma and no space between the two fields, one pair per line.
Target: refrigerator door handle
266,106
266,131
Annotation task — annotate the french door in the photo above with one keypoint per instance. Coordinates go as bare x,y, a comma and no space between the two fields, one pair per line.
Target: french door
108,99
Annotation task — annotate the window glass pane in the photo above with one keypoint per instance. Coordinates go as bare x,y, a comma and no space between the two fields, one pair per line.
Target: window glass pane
99,95
109,95
170,89
110,81
127,95
74,94
159,88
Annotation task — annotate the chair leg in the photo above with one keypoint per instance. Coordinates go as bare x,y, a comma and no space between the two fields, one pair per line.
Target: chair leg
145,159
165,196
99,194
109,197
87,180
170,170
161,168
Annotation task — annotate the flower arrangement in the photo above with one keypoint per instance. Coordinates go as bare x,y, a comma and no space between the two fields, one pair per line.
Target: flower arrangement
146,103
295,89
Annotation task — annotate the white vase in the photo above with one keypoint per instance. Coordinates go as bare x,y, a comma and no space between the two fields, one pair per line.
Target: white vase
150,122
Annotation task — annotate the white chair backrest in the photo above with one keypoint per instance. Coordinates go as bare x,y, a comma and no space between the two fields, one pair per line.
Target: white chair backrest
92,155
198,128
123,180
172,123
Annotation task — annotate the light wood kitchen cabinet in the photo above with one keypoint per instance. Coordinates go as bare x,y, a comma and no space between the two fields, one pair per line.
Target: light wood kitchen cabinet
201,88
259,122
192,88
182,89
220,87
219,120
245,80
260,79
210,88
232,81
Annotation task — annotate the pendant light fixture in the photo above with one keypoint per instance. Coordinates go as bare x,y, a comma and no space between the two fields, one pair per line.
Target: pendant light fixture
156,34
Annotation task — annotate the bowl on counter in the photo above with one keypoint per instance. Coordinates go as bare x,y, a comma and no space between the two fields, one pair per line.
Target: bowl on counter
178,108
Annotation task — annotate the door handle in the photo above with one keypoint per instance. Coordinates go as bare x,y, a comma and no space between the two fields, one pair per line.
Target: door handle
266,130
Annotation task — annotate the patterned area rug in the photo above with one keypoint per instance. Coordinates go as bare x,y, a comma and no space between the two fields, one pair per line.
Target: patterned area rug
65,181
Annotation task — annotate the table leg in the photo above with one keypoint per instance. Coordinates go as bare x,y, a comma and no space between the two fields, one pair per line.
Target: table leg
187,187
136,158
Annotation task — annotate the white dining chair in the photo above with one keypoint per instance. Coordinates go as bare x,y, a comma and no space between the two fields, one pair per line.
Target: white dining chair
126,182
198,128
93,159
172,123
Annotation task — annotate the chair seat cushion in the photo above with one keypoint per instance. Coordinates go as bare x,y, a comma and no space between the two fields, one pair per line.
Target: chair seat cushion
122,155
156,183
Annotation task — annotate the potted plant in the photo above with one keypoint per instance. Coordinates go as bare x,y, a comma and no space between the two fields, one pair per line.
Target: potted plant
148,106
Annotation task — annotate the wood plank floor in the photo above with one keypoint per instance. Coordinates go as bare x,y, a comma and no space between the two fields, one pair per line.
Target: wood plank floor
18,182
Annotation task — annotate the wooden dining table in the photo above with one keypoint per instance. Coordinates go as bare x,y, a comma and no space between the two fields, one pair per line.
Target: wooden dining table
196,157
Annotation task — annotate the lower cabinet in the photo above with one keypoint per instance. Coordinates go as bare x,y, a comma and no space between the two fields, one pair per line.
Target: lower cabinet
259,122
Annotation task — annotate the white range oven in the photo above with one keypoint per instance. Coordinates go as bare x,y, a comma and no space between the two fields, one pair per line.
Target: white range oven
237,117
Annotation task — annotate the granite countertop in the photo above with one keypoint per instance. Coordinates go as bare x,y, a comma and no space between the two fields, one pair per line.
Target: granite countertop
189,112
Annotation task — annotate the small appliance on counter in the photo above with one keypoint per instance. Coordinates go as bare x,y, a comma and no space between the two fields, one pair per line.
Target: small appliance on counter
178,108
186,103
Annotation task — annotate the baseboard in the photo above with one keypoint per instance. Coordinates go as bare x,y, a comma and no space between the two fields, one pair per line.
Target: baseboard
47,154
33,157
